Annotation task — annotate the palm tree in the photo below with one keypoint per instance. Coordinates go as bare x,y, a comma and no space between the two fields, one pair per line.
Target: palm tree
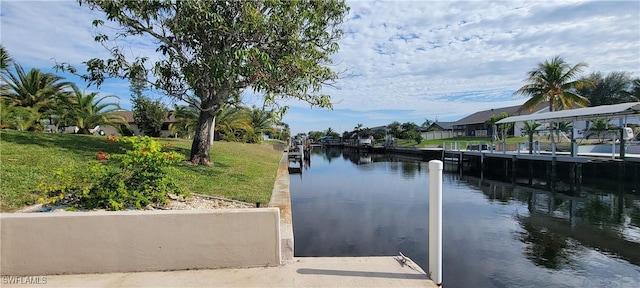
563,126
186,120
261,122
331,132
530,128
634,92
501,130
7,114
600,127
86,110
25,118
554,81
20,118
284,132
5,58
34,88
232,120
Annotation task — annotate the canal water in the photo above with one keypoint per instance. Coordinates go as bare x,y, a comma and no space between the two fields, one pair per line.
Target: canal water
495,234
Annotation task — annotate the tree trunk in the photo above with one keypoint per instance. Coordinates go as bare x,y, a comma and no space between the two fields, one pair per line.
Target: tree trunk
531,143
201,142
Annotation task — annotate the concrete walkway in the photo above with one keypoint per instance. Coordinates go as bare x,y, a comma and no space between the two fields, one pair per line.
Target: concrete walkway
386,271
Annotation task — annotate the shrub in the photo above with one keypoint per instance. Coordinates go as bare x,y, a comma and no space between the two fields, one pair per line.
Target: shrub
125,131
137,178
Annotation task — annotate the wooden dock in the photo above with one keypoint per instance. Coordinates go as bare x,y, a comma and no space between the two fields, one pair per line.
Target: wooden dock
298,155
550,165
543,164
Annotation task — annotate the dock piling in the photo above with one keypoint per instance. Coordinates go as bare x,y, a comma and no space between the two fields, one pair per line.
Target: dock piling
435,221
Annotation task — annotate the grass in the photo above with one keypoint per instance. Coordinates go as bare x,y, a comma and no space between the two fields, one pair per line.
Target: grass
244,172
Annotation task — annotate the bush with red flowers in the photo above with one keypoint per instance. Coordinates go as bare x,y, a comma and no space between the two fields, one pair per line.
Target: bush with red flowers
135,179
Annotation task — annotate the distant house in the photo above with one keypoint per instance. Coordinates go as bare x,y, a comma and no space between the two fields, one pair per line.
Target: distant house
474,124
379,128
441,126
128,115
439,130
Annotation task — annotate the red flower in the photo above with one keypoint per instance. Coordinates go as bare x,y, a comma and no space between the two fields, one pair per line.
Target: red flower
170,157
112,138
144,150
102,156
166,146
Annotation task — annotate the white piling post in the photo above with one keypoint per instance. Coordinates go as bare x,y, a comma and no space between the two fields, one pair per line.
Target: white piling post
435,221
613,148
301,149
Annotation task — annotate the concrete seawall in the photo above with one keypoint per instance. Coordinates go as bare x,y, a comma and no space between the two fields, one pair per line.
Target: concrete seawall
281,199
128,241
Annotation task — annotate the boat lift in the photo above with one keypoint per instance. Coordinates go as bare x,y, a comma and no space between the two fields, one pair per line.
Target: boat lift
621,111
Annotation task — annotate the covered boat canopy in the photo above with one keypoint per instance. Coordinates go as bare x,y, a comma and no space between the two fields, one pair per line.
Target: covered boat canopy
603,111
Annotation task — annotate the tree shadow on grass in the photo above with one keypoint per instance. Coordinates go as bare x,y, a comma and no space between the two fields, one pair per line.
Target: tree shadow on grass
82,144
86,145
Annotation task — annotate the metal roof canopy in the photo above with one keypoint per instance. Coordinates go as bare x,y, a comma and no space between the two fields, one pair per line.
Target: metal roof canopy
603,111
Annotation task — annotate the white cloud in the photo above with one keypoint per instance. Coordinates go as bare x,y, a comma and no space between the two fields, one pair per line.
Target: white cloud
404,58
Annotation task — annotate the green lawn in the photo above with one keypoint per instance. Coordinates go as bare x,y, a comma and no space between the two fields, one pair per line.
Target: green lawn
244,172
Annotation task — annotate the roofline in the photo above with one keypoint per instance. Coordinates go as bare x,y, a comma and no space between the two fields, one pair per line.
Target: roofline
603,111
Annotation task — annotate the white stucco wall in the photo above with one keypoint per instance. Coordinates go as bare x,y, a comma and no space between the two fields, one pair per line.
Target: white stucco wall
128,241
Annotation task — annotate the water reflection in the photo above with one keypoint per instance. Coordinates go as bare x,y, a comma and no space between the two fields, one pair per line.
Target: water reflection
496,234
545,248
331,153
602,221
408,166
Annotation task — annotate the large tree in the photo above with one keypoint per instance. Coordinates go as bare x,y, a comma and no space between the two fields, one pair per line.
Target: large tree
213,50
149,115
612,88
555,82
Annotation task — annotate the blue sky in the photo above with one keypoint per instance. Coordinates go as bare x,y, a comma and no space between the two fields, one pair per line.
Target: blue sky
405,60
